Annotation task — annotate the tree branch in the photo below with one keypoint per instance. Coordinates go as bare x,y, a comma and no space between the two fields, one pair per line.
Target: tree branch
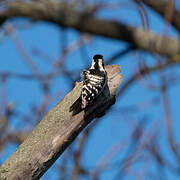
160,7
56,132
143,71
64,15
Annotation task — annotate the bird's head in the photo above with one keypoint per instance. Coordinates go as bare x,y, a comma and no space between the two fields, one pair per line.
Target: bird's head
98,63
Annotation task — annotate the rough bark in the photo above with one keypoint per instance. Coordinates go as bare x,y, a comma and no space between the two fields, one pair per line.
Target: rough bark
56,132
65,15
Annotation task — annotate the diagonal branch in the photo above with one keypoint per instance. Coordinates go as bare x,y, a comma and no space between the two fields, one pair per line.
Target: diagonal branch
56,132
64,15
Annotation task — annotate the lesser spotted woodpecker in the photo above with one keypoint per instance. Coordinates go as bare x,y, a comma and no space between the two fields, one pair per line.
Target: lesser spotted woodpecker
94,81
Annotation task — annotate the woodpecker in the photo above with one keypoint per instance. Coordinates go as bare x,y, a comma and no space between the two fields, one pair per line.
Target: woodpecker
94,81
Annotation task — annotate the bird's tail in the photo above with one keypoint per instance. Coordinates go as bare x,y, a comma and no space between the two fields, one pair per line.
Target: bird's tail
76,106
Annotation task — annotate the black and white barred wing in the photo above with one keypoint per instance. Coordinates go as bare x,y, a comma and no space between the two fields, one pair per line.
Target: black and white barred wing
93,85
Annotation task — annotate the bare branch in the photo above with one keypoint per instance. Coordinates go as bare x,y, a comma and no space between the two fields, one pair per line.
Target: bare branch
143,71
56,132
64,15
160,7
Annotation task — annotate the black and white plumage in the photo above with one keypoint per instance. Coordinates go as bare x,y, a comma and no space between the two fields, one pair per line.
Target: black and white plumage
94,82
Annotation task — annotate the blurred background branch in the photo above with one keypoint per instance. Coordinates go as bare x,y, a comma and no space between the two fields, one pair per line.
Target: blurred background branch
66,16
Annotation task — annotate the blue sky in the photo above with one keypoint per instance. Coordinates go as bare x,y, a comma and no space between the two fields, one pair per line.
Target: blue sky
112,128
